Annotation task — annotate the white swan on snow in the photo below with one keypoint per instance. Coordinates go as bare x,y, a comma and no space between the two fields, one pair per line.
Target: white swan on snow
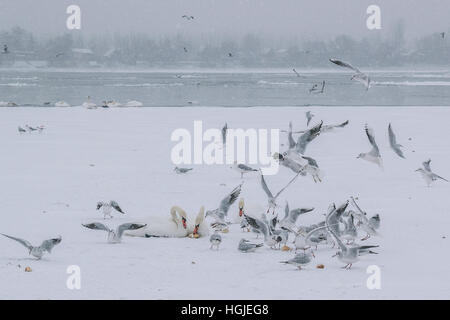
88,104
199,228
174,226
133,103
61,104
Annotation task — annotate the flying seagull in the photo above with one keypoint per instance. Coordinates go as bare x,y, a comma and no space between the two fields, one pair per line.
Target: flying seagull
393,142
107,208
307,137
309,117
182,170
114,236
242,168
37,252
291,216
428,175
271,199
220,213
373,155
187,17
224,133
358,76
331,127
295,71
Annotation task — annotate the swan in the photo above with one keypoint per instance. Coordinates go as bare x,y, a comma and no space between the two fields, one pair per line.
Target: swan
173,227
88,104
113,104
133,103
61,104
199,228
8,104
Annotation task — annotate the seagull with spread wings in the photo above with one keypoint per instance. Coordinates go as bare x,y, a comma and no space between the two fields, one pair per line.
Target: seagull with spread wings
393,142
358,76
220,213
373,155
291,216
114,235
271,199
37,252
428,175
107,208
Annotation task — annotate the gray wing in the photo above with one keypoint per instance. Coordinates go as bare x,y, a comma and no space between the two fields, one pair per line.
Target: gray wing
370,135
23,242
265,188
96,226
290,138
343,124
293,214
128,226
252,221
344,65
258,225
286,211
435,176
229,200
245,167
393,142
427,165
307,137
339,242
311,161
224,133
115,205
289,183
49,244
356,206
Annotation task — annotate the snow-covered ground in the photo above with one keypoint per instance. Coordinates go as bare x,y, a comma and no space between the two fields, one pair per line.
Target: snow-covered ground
50,184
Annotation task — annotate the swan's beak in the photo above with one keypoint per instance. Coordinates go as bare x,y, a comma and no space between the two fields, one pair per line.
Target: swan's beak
241,211
183,219
196,229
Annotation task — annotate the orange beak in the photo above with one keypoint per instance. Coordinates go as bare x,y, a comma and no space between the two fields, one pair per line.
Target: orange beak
196,230
184,223
241,212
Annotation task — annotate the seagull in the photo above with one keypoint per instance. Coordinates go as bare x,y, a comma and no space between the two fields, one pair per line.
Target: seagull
5,49
224,133
230,55
30,129
244,225
307,137
331,127
188,17
242,168
114,236
374,155
300,259
288,162
246,246
262,227
309,117
107,208
312,168
271,199
349,233
315,88
185,50
295,71
215,240
347,254
358,76
220,213
182,170
442,34
393,142
291,216
37,252
290,138
59,54
363,222
21,130
427,174
375,221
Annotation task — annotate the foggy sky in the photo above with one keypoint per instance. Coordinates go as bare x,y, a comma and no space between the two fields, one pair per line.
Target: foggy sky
233,18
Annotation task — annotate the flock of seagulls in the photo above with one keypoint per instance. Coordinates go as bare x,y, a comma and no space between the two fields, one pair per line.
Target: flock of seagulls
30,129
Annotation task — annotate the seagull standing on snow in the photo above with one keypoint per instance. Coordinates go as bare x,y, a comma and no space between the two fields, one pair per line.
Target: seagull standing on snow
114,236
271,199
215,240
246,246
358,76
37,252
393,142
107,208
374,155
300,259
427,174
